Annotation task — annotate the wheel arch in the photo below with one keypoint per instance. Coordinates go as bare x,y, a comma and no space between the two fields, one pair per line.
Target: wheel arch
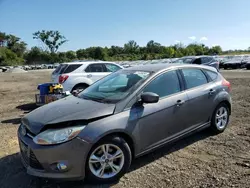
123,135
80,84
227,103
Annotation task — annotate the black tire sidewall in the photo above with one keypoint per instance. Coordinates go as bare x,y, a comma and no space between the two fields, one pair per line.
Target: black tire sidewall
121,143
80,87
213,121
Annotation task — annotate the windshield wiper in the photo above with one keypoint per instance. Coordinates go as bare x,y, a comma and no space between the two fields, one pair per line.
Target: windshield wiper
102,100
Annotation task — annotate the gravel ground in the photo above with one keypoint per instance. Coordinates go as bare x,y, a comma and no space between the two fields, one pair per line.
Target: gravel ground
201,160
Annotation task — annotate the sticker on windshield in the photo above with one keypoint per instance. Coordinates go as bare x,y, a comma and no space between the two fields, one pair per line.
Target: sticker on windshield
142,74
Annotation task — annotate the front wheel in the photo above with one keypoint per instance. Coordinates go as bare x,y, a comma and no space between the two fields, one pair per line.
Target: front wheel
220,118
108,160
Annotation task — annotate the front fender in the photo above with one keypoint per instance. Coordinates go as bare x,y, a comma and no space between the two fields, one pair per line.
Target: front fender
115,124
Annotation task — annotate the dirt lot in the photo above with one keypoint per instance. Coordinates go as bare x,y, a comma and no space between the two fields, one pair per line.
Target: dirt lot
202,160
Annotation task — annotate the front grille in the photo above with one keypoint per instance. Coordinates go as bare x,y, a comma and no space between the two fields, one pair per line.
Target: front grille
34,163
29,157
24,153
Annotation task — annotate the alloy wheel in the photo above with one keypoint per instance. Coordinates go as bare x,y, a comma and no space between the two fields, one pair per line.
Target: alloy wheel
221,118
106,161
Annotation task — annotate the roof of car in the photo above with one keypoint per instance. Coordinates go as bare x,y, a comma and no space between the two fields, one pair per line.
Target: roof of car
81,62
159,67
195,57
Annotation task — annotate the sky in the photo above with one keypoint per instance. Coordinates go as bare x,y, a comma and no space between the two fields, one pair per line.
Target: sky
88,23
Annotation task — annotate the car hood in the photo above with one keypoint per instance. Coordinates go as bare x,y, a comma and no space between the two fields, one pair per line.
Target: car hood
64,110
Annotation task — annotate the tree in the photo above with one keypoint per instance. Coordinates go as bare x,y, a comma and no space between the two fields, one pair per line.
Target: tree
13,43
52,39
2,39
169,52
131,47
215,50
153,47
81,54
115,50
99,53
71,55
34,55
7,57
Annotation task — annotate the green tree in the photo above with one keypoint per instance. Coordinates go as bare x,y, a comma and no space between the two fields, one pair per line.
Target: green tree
7,57
13,43
131,47
71,55
115,50
52,39
169,52
34,55
3,39
81,54
153,47
215,50
99,53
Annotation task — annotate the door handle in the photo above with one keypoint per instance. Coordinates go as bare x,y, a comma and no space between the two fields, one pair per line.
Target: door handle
212,91
180,102
89,75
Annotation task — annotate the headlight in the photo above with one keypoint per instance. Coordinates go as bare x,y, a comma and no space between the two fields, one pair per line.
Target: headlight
56,136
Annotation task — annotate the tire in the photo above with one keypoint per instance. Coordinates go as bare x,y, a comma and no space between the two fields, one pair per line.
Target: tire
112,141
217,127
79,87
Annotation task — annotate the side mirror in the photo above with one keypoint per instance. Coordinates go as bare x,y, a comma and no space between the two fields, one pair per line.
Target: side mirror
149,97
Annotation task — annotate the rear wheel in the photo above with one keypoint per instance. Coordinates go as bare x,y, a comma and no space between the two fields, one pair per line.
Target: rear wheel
220,118
78,88
108,160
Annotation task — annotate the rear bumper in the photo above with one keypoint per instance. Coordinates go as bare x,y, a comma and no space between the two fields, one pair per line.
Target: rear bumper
41,161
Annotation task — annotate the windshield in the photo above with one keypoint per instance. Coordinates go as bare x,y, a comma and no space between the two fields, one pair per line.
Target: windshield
183,60
115,87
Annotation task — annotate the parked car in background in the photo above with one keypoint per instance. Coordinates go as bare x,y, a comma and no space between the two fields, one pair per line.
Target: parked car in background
26,67
4,69
80,75
120,117
38,66
235,62
199,60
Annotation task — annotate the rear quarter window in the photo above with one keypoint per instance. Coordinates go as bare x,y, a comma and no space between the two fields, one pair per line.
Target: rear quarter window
211,74
71,68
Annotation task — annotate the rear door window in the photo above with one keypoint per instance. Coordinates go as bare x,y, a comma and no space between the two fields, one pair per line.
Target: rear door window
95,68
194,77
71,68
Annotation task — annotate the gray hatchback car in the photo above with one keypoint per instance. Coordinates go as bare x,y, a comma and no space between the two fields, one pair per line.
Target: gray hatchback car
122,116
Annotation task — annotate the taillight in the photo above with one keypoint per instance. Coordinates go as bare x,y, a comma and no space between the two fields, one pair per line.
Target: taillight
63,78
227,84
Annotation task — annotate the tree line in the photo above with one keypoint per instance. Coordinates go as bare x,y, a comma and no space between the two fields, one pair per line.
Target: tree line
13,51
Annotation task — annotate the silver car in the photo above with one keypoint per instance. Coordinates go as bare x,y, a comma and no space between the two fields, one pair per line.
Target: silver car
120,117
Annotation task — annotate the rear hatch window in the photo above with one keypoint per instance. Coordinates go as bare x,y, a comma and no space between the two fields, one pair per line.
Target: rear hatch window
71,68
66,68
59,68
